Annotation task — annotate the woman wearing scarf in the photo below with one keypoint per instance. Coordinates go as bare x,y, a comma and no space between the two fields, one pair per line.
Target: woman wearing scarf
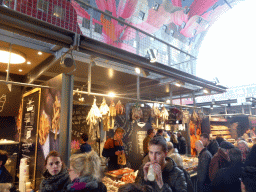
85,173
56,176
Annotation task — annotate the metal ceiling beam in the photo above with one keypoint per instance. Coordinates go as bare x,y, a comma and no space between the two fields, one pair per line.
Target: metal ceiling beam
103,50
16,39
44,66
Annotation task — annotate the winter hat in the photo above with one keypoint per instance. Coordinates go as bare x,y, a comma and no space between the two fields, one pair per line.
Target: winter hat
226,145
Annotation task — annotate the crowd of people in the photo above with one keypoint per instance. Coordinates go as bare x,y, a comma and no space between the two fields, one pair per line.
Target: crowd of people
221,166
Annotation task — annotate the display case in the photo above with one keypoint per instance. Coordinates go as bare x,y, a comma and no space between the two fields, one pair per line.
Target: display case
219,127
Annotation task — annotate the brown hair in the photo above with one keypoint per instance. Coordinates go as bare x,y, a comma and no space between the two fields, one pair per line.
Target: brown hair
119,130
159,140
54,154
3,156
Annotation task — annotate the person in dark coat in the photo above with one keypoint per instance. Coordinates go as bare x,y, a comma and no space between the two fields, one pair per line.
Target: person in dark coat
248,183
219,139
85,173
182,144
85,147
251,157
56,178
220,159
227,179
204,159
179,161
135,187
5,176
168,176
211,145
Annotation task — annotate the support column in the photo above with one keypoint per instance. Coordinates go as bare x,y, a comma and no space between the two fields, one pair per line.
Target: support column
138,88
66,117
171,88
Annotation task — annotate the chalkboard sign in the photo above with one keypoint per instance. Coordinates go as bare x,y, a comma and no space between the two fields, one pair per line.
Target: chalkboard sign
30,105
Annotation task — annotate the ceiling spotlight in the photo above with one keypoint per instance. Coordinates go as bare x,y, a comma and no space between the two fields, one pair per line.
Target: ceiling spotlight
20,70
168,101
28,62
206,91
179,83
137,70
40,53
81,99
111,94
16,56
152,55
211,106
6,70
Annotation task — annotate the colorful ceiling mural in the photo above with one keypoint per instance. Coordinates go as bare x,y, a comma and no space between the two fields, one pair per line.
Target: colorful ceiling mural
180,19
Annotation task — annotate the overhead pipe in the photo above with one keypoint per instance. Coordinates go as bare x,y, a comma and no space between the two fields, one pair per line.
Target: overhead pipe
26,84
102,50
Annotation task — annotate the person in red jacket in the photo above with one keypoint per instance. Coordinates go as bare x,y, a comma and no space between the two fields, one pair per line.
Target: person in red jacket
112,148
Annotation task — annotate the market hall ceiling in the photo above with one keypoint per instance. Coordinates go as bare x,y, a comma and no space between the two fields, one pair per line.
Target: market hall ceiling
179,18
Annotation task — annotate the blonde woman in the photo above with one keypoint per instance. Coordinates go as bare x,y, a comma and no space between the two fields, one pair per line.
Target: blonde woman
85,173
179,161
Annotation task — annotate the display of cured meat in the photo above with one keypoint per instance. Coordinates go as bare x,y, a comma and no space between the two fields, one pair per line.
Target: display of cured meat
93,119
193,140
104,109
136,112
120,108
111,115
194,116
155,112
164,114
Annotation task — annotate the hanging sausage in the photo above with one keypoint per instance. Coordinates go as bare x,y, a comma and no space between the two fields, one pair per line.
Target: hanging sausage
104,110
93,119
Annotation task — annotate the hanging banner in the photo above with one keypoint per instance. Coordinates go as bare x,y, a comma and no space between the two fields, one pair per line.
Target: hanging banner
29,128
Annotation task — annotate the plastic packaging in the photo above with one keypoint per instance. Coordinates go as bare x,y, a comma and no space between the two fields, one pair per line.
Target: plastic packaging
151,175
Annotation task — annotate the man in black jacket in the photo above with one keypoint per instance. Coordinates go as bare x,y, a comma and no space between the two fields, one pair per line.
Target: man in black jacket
182,144
5,176
204,159
168,177
211,145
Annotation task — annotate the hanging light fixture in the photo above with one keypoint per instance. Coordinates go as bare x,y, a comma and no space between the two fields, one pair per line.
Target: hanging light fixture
16,56
152,55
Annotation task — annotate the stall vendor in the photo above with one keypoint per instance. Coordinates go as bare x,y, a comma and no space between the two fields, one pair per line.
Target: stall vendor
5,176
112,148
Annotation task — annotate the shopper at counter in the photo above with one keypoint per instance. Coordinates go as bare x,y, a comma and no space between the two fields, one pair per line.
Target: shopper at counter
248,183
204,159
227,179
182,144
5,176
150,135
211,145
251,157
56,176
85,173
219,139
220,159
113,148
243,146
168,176
85,147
